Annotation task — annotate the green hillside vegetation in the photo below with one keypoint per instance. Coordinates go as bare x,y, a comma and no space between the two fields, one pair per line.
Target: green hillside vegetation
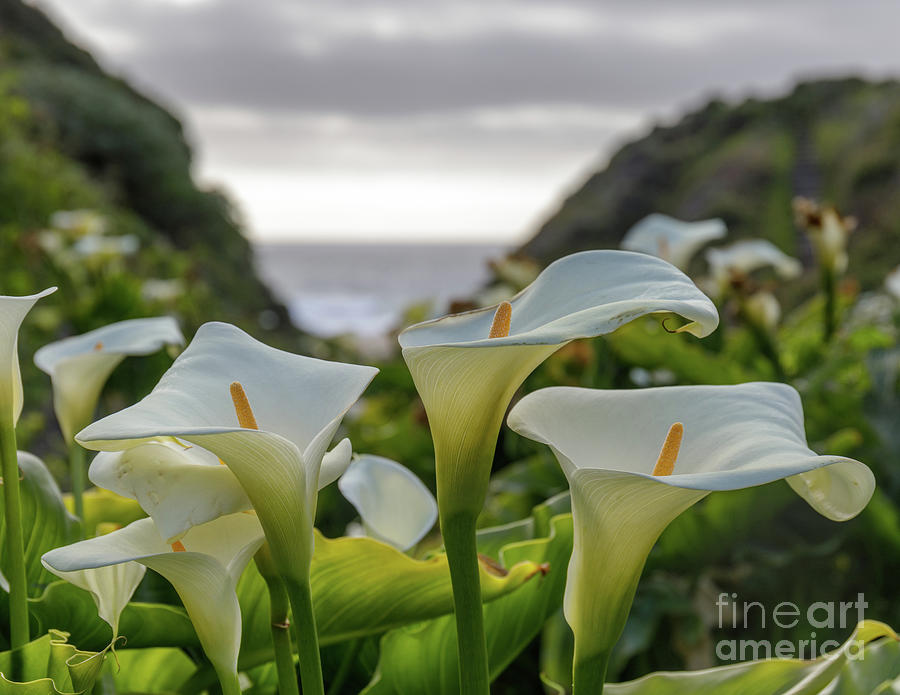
74,138
837,141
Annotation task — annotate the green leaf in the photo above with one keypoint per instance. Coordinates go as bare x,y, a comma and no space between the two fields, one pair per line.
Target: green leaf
50,666
361,587
47,524
148,671
777,676
423,658
105,507
66,607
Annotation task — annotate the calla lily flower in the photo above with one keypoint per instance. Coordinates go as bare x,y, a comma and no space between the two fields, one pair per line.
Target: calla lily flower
828,230
80,365
181,486
670,239
215,394
204,568
745,256
636,459
763,308
12,312
466,378
394,505
269,416
111,587
467,367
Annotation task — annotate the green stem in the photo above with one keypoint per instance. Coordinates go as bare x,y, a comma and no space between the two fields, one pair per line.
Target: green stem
307,639
829,284
76,473
279,607
459,541
15,544
589,673
336,687
230,683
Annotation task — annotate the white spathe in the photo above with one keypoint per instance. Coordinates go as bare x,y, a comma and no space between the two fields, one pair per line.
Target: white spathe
111,587
467,379
298,403
748,255
205,573
80,365
394,505
671,239
607,443
12,312
180,486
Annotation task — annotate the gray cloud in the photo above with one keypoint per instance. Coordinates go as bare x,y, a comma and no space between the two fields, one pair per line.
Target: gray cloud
507,90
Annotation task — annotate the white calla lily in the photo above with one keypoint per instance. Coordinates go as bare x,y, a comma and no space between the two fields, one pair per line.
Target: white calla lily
670,239
269,415
748,255
12,312
607,443
466,378
394,505
467,367
180,486
298,403
111,587
80,365
204,568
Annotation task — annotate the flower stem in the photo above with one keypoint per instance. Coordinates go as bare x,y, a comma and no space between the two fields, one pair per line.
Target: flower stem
76,473
829,286
279,606
589,672
459,541
230,683
305,632
15,544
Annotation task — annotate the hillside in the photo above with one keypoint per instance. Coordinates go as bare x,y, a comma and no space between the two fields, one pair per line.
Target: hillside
97,198
837,140
126,150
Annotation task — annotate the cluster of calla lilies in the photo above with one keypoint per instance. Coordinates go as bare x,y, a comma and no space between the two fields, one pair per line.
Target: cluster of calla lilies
227,454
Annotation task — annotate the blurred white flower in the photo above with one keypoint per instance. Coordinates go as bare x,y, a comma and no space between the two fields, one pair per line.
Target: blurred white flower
670,239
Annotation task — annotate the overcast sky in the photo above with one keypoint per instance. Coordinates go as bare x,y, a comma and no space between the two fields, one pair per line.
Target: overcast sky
449,119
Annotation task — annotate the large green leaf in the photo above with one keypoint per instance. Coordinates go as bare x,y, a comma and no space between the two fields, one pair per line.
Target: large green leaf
66,607
422,658
49,666
361,587
47,524
782,676
147,671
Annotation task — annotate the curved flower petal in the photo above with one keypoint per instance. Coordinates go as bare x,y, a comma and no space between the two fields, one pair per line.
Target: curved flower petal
395,506
111,587
748,255
12,312
205,574
467,379
580,296
183,486
80,365
607,443
671,239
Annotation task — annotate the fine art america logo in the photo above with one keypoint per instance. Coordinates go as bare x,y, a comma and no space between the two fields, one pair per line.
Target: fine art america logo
821,615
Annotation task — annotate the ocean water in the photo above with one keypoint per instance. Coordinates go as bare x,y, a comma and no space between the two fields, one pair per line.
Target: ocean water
363,289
